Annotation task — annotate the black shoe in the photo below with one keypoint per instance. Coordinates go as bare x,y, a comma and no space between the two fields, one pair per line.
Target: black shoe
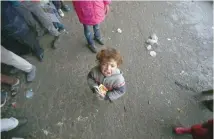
93,48
22,121
208,104
55,43
100,41
40,54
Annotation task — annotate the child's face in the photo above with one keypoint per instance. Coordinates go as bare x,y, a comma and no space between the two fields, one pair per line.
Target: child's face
107,68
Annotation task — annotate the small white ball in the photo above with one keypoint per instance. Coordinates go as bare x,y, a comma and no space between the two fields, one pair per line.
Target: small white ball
148,47
153,53
119,30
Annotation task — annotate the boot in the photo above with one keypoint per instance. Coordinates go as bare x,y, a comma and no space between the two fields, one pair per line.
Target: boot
93,48
100,41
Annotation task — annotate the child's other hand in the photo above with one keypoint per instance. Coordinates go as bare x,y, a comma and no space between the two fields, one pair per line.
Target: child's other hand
96,89
106,9
101,94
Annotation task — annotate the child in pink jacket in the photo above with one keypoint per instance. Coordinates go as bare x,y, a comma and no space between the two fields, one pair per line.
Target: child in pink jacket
92,13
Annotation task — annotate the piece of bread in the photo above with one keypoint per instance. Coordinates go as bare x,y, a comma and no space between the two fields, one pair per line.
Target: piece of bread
103,89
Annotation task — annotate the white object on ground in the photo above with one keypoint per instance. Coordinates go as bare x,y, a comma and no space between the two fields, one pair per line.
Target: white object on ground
119,30
59,124
153,53
179,110
168,39
182,72
80,118
29,93
154,37
45,132
151,42
8,124
148,47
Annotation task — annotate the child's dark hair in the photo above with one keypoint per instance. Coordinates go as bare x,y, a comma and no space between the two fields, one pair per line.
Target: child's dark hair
109,53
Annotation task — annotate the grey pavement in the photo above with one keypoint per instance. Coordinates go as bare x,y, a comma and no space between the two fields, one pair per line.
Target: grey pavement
161,91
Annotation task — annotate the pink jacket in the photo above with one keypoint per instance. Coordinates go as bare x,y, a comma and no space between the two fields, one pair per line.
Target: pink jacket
90,12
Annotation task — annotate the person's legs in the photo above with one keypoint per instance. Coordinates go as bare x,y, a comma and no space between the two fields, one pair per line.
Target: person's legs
37,10
34,44
30,20
88,34
97,34
97,31
9,58
58,6
89,38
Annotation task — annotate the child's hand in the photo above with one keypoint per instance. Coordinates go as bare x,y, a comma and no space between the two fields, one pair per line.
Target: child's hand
96,89
101,94
106,9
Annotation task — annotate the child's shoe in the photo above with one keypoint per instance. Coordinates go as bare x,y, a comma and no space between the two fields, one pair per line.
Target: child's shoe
93,48
61,13
182,130
100,41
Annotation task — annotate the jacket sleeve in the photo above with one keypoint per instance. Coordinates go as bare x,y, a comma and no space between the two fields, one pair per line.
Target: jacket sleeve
107,2
117,91
91,80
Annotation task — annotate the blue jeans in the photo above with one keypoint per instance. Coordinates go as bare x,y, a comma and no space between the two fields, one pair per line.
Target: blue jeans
88,34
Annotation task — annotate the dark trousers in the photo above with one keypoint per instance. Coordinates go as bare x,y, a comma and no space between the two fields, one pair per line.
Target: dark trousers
58,4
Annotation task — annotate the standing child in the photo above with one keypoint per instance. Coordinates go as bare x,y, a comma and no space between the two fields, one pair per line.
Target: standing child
92,13
106,79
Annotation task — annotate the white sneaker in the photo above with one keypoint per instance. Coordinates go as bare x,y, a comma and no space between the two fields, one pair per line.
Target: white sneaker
61,13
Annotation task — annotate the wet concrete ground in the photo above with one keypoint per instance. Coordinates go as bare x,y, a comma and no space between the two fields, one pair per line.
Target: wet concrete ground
161,91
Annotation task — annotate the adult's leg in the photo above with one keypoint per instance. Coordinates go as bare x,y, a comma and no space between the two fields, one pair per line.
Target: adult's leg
57,4
32,41
30,20
9,58
37,10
